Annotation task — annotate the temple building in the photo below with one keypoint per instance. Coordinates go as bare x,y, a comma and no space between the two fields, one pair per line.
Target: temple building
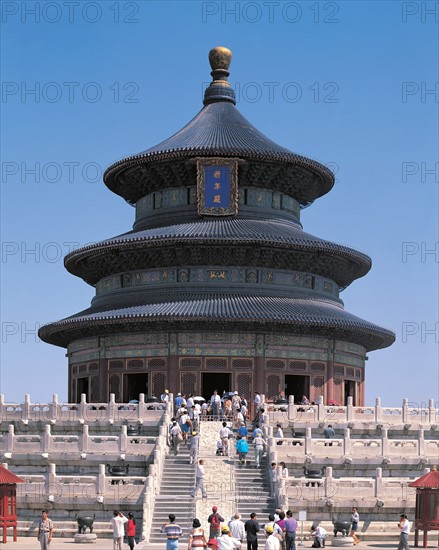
217,286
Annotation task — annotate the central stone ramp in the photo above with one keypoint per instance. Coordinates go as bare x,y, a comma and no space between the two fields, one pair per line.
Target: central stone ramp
177,483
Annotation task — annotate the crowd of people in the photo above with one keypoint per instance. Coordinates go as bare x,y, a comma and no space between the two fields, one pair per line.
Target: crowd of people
280,532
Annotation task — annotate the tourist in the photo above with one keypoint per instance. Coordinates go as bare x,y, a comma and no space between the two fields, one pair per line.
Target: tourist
236,401
272,542
219,448
225,433
257,431
279,434
284,470
242,430
272,475
272,523
117,522
304,400
281,519
281,523
320,535
290,528
196,413
176,436
204,408
178,401
215,402
355,518
329,433
199,480
164,398
263,417
190,404
173,532
242,449
193,447
185,425
197,536
251,527
45,531
227,541
228,408
404,527
215,523
257,403
237,527
259,445
131,531
244,410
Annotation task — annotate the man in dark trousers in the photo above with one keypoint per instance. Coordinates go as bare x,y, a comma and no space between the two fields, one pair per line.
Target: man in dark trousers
290,527
251,527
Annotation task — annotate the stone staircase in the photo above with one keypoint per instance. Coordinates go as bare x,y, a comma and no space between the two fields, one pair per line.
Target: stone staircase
252,491
178,481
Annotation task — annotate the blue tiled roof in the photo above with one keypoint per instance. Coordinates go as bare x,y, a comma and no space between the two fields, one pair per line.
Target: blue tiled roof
269,232
309,314
219,129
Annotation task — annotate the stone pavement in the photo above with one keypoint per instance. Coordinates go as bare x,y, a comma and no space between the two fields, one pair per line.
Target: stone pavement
219,480
28,543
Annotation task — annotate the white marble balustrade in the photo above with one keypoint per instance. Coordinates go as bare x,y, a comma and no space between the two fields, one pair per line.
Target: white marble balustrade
408,414
48,444
82,412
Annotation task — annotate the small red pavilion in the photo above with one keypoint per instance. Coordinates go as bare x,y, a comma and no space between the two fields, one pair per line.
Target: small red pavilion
427,504
8,512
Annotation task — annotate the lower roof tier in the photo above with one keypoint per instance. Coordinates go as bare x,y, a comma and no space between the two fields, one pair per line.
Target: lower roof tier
223,312
233,241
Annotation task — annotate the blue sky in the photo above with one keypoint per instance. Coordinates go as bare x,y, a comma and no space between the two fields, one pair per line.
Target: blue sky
351,84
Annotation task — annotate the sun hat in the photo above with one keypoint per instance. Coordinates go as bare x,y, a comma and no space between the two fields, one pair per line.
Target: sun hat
269,529
225,529
212,542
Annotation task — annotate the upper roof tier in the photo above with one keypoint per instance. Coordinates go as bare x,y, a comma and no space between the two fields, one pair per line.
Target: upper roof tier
219,130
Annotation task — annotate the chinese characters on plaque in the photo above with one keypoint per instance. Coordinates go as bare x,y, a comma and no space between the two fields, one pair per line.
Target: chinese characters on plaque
217,186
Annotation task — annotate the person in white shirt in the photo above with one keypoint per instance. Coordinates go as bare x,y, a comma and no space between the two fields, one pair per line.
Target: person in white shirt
236,527
284,470
215,402
272,523
224,435
404,527
199,478
272,542
164,398
175,433
226,541
279,434
320,535
259,445
117,523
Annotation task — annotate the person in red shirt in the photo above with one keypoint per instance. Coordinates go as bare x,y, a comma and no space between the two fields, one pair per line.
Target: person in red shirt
131,530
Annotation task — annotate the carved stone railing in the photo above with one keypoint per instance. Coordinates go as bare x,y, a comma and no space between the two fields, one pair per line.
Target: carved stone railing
153,482
82,412
347,449
406,415
52,446
372,492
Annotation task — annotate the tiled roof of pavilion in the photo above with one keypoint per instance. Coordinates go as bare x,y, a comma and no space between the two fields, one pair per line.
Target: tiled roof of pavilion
269,232
219,129
298,314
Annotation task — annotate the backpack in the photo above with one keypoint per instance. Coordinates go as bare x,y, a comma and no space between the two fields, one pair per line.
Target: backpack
215,523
